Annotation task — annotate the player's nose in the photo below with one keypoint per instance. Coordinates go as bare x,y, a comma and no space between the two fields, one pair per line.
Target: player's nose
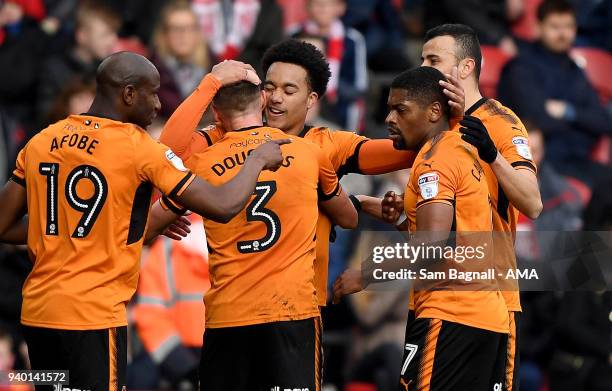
390,119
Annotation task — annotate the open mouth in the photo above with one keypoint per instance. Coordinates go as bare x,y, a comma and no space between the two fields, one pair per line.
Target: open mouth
275,112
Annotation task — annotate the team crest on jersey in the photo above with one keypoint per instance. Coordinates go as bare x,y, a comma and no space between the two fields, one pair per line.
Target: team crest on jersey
522,147
428,183
175,160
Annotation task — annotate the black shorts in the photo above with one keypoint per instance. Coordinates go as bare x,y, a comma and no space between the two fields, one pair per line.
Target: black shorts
270,356
96,360
441,356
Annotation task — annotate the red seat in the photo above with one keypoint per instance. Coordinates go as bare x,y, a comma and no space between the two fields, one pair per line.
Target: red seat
493,61
597,64
583,190
356,386
525,27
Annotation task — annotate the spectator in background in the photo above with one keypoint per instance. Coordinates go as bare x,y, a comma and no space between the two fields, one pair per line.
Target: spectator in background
94,39
544,83
489,18
379,22
180,54
345,50
240,29
22,44
76,98
169,313
594,23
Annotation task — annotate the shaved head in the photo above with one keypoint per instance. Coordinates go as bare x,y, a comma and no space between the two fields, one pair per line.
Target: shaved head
128,83
125,68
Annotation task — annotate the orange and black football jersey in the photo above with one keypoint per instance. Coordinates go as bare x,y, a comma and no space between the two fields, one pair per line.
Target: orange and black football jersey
89,182
447,170
512,141
342,148
262,261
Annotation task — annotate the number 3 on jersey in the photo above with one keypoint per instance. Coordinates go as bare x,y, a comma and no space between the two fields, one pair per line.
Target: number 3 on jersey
90,207
256,211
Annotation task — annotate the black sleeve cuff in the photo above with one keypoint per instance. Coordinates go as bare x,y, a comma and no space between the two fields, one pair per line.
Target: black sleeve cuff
326,197
172,206
18,180
356,202
180,185
524,163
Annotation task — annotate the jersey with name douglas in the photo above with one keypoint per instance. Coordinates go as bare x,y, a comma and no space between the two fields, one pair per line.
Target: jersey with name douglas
89,182
512,141
446,170
342,148
261,262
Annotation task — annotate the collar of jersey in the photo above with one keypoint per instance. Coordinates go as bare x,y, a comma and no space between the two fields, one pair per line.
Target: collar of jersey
476,105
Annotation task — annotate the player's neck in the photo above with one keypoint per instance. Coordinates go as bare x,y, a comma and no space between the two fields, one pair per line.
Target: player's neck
102,109
295,130
435,131
472,95
242,122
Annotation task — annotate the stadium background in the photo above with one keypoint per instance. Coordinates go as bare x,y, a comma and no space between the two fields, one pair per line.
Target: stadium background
49,50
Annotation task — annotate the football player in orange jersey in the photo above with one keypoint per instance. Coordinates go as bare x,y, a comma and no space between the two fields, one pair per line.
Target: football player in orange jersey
459,336
503,146
262,314
296,78
86,184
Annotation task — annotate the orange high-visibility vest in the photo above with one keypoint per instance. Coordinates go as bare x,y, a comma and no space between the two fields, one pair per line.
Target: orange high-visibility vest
170,307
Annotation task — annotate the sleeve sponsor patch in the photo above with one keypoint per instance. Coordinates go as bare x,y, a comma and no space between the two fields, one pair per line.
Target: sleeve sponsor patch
428,183
175,160
522,147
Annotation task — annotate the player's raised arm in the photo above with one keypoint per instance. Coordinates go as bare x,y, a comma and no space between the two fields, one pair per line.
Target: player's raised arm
222,203
179,132
519,183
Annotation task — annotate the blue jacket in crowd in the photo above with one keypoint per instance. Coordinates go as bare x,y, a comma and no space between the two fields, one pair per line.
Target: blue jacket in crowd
537,75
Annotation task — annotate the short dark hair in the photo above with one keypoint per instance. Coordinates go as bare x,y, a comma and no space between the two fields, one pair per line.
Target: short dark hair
236,96
466,41
304,54
422,84
548,7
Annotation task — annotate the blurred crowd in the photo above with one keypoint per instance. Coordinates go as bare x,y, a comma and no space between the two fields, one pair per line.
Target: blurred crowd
550,61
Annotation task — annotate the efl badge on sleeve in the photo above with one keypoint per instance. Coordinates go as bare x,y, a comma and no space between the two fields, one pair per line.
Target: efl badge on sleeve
522,147
175,160
428,183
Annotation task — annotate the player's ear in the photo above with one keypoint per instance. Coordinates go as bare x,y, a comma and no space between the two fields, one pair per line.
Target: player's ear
466,67
435,112
129,94
313,98
263,100
216,114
